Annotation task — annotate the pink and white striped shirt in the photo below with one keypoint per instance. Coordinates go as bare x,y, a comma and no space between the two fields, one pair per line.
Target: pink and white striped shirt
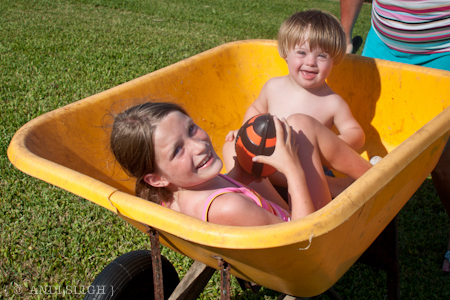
413,26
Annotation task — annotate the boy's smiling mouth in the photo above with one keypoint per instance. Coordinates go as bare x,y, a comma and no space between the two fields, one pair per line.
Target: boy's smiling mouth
308,74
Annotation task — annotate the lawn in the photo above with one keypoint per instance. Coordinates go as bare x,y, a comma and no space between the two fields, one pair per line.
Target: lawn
55,52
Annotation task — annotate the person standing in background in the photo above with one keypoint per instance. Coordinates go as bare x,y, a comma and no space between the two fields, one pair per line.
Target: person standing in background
413,32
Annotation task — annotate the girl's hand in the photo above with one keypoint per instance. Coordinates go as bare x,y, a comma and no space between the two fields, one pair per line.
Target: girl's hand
286,160
231,135
285,157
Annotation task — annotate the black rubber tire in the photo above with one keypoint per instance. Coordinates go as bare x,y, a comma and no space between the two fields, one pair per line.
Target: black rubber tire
130,276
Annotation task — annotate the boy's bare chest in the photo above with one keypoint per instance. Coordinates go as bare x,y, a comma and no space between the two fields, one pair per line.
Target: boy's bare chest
318,109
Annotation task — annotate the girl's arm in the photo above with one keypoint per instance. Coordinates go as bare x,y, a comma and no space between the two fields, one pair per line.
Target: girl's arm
286,160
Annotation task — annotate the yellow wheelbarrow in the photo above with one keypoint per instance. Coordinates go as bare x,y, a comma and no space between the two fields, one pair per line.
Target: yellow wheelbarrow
401,108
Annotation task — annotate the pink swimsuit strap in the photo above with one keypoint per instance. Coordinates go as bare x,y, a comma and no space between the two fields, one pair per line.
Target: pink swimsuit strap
260,201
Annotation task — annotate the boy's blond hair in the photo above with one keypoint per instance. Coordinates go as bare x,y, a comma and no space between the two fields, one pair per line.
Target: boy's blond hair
320,28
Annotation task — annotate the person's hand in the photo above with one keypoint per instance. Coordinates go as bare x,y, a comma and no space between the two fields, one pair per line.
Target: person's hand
285,157
231,135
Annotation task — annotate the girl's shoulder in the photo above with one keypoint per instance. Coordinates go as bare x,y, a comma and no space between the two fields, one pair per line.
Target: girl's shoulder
193,202
237,209
230,209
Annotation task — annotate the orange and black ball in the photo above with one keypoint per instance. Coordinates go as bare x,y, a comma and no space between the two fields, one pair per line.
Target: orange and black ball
256,137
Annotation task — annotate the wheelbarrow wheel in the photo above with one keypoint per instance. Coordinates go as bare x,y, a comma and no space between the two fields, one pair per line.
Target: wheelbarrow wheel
130,276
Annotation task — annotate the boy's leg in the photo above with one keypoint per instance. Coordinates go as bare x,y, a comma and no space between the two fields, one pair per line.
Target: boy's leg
338,154
338,184
228,152
316,142
309,155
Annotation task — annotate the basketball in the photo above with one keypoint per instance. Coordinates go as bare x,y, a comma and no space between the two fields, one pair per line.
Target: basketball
256,137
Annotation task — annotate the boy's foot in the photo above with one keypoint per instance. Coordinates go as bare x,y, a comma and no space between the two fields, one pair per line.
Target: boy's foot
374,160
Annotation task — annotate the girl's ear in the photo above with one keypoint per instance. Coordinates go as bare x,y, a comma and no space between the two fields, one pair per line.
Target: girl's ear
155,180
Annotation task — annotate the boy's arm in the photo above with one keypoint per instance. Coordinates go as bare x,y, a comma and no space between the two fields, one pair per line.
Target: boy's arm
349,129
260,105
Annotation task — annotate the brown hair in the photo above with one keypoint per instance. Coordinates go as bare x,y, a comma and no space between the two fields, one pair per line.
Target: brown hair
321,29
133,147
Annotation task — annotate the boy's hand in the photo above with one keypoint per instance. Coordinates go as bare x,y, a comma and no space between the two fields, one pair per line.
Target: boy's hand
231,135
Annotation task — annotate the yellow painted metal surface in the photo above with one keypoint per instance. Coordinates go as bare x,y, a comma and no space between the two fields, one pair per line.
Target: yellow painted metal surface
400,107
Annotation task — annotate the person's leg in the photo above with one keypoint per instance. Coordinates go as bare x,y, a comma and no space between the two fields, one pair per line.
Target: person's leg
309,155
338,154
316,142
338,184
228,154
441,180
349,14
335,184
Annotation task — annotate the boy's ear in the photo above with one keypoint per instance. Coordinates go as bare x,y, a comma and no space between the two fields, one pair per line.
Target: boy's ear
155,180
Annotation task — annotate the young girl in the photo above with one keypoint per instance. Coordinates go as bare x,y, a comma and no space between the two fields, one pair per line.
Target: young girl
176,166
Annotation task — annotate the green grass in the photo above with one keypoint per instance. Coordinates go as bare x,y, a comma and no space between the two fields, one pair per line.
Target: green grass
56,52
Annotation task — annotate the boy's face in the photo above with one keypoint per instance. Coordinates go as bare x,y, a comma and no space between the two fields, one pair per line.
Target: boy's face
309,68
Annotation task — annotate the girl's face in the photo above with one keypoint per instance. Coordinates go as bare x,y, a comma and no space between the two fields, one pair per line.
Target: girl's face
309,68
184,155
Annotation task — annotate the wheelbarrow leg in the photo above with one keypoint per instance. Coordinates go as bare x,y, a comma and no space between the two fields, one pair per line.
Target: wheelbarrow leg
225,279
383,254
157,264
193,283
393,268
331,293
198,276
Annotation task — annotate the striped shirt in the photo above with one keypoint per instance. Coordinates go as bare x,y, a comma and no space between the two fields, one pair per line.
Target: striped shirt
413,26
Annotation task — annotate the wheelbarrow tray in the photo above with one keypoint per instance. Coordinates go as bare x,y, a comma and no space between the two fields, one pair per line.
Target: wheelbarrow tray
400,107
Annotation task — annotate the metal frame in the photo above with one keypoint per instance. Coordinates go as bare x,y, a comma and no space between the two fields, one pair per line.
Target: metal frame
383,254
